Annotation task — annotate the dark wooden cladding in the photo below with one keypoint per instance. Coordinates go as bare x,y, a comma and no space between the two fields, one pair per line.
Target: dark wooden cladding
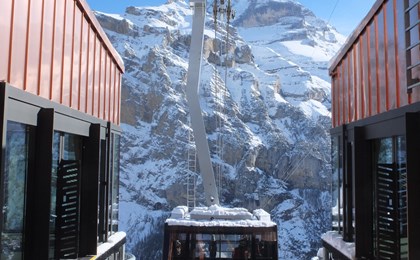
58,50
369,75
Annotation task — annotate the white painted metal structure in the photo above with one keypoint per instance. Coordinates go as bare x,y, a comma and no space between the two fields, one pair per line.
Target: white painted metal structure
193,83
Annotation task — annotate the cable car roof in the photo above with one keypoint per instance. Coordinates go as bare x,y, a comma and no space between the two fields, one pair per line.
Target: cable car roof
216,216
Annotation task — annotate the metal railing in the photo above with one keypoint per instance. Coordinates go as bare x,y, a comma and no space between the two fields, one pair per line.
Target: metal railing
412,33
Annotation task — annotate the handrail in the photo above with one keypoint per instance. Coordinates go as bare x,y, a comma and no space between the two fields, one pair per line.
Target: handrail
412,6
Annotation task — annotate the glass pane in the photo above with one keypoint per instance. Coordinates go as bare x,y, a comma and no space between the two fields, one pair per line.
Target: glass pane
54,170
337,184
260,245
110,189
72,147
402,200
385,151
65,147
115,181
390,204
15,174
102,219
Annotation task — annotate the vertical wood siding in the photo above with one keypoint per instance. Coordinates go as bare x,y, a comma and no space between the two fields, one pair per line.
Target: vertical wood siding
57,50
369,77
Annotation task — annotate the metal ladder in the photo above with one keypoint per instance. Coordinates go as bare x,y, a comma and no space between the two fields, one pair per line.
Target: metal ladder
191,171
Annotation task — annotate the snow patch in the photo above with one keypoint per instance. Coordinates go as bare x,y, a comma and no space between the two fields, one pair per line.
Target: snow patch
335,239
216,216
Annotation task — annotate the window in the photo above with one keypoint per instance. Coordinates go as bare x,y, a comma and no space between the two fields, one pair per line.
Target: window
413,43
109,187
337,184
67,149
49,179
223,246
390,198
115,153
342,188
17,157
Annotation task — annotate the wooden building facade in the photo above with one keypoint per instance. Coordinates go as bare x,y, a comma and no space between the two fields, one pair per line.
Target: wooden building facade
375,136
60,85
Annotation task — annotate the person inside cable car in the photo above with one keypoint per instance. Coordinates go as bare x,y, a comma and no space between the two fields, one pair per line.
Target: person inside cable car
178,251
242,251
200,250
178,248
213,247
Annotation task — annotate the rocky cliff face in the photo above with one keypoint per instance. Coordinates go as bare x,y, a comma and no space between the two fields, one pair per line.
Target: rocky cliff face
265,96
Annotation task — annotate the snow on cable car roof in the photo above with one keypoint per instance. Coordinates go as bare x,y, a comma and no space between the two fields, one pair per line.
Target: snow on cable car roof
216,216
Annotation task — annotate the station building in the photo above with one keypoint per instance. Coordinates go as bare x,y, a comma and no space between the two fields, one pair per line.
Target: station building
376,137
60,85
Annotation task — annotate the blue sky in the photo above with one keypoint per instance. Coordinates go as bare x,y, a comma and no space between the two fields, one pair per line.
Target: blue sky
345,15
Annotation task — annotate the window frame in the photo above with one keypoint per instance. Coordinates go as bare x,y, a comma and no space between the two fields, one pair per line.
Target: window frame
22,107
402,121
338,147
105,183
29,141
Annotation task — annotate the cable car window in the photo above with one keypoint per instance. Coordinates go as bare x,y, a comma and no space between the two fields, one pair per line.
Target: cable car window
265,246
259,245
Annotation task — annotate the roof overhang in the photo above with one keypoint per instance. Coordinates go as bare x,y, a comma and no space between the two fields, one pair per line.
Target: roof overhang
101,34
354,36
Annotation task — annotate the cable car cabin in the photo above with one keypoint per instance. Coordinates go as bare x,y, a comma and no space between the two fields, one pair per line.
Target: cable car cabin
219,233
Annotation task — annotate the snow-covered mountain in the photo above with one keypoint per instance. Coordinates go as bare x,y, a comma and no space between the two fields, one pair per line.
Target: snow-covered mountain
265,94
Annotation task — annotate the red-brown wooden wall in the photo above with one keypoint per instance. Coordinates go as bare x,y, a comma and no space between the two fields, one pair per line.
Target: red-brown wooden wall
369,74
56,49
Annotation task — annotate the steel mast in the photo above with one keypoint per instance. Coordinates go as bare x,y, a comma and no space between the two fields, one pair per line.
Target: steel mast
197,121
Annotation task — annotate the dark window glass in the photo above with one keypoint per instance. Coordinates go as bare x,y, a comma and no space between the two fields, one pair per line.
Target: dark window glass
102,219
223,246
390,198
55,163
109,188
65,147
401,171
15,175
115,181
337,184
